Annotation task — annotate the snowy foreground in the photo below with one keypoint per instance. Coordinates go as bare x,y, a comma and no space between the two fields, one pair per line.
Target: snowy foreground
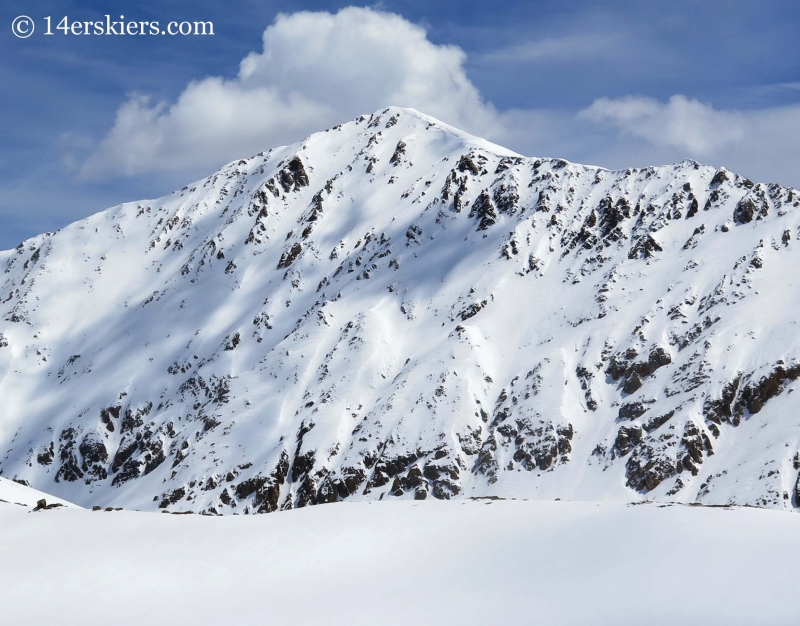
403,562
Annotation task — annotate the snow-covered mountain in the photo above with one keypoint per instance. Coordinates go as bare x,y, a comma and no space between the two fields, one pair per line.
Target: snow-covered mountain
396,309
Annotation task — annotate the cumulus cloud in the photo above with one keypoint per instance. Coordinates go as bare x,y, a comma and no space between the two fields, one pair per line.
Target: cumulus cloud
318,69
212,121
315,70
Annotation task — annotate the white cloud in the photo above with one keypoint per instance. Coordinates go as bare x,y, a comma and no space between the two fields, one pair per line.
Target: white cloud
680,122
212,121
319,69
315,70
568,48
761,143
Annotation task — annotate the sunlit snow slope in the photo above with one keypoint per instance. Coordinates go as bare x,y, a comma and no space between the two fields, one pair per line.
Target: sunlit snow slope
14,493
395,309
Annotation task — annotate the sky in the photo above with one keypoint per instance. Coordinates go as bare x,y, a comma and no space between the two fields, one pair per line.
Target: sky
91,121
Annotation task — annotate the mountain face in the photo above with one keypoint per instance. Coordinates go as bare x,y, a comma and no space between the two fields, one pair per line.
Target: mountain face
395,309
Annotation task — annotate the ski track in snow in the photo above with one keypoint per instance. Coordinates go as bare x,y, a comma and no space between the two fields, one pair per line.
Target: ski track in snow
393,309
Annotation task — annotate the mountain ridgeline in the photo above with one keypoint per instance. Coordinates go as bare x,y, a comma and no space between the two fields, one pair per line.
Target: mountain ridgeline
395,309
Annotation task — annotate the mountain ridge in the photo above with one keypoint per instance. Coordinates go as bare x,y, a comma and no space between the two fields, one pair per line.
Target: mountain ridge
394,308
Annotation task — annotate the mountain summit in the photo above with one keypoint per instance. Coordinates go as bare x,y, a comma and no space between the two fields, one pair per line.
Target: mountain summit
395,309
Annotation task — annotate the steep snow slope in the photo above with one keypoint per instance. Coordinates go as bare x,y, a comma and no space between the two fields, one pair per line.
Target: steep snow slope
440,563
393,308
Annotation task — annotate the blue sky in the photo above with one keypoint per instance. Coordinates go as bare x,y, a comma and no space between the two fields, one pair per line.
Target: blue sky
612,83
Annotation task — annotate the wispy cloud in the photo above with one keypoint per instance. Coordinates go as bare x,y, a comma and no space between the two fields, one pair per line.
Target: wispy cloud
680,122
762,143
570,48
